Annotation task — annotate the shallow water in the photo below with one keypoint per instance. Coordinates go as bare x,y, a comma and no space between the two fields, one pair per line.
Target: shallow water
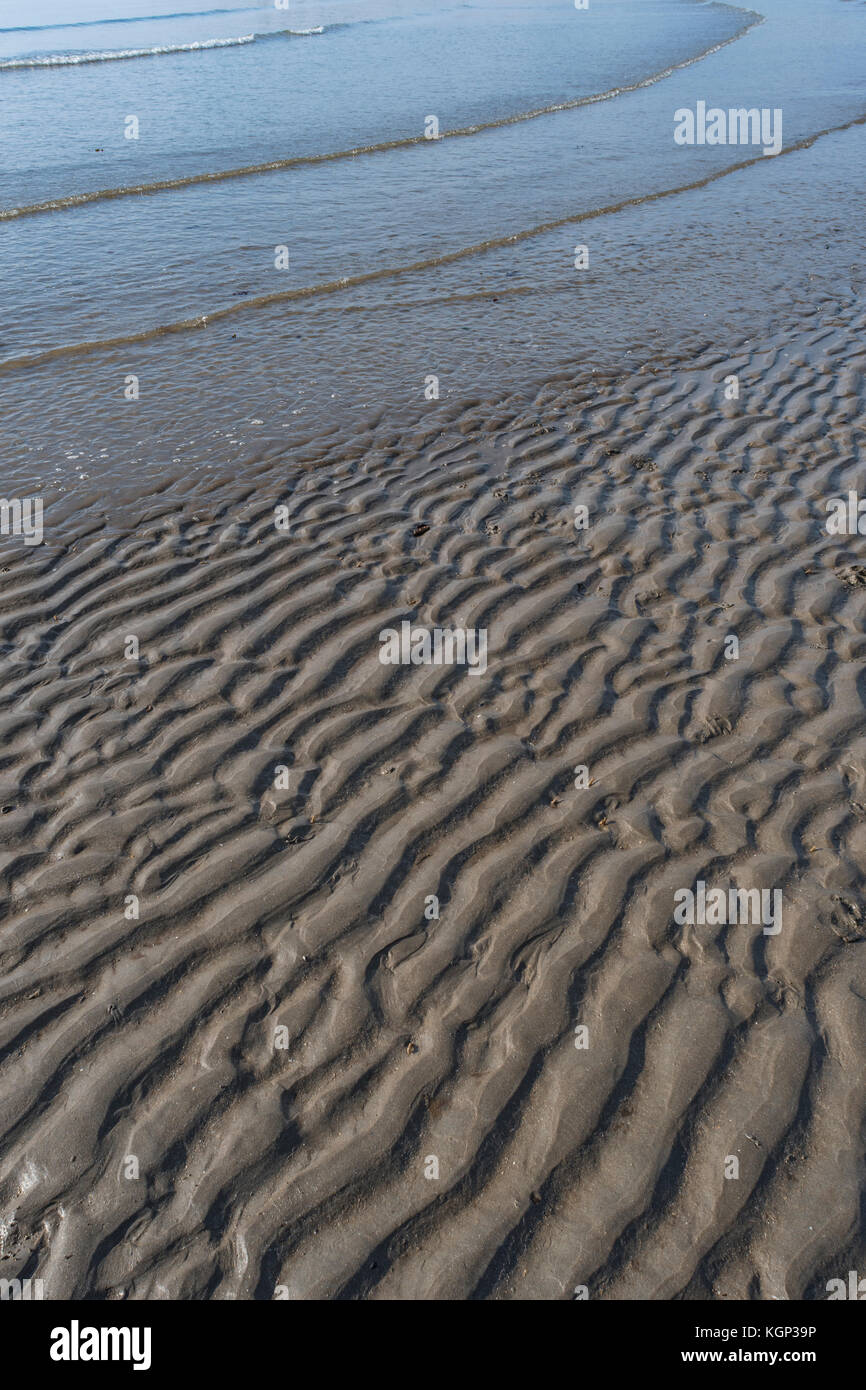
449,257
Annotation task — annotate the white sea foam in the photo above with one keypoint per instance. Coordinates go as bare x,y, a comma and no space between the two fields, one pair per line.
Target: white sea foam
56,60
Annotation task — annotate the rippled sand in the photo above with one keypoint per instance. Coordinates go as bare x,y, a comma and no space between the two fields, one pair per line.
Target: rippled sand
300,1171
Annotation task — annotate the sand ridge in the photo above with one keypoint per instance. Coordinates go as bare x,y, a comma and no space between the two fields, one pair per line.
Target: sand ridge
301,1169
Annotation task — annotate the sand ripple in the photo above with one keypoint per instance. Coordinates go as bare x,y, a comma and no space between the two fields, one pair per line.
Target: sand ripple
303,907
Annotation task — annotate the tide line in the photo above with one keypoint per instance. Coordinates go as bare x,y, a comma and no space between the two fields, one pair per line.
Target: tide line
392,272
76,200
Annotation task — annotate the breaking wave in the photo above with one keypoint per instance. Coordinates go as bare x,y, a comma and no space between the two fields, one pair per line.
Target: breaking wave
61,60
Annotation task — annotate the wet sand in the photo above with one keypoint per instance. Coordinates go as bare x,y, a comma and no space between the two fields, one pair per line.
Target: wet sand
147,786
